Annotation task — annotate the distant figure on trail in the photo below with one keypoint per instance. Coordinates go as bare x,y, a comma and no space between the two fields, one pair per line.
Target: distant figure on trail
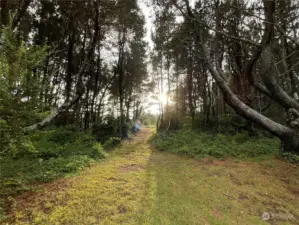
136,127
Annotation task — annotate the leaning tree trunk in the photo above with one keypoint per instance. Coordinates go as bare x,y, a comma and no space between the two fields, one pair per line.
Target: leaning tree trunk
288,136
55,113
69,103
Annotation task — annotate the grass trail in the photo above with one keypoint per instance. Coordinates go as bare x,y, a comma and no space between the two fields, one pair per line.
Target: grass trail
137,185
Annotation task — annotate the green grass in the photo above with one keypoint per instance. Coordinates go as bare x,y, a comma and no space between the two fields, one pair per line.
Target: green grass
137,184
201,145
110,192
187,191
52,154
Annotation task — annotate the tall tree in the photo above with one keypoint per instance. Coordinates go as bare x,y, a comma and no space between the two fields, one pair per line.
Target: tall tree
243,63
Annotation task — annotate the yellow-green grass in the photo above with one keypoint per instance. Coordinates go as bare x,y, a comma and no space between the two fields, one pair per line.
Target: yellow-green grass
139,185
186,191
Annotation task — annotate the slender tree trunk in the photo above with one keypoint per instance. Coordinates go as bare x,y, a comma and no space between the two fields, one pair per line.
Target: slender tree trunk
20,13
162,92
190,85
122,40
288,136
128,109
4,13
96,85
168,81
44,89
69,72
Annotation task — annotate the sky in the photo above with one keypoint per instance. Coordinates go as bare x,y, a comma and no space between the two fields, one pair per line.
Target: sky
147,10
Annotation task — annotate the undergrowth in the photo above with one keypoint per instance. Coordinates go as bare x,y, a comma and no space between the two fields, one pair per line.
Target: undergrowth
200,145
50,154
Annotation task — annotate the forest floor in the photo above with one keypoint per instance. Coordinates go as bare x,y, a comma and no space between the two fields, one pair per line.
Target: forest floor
140,185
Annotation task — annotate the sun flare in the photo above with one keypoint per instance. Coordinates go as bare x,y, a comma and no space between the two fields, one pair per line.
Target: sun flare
163,98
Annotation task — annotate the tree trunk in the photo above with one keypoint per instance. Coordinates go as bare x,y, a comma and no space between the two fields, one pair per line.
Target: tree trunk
190,86
96,85
120,69
69,71
68,104
288,136
4,13
20,13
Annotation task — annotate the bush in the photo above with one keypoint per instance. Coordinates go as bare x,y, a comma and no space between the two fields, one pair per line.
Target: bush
111,142
18,61
105,129
241,138
98,152
291,157
46,155
200,144
63,136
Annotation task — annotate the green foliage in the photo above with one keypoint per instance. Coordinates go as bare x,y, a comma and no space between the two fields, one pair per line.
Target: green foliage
98,151
199,144
106,129
19,90
241,138
43,156
13,142
111,142
225,123
148,119
63,136
291,157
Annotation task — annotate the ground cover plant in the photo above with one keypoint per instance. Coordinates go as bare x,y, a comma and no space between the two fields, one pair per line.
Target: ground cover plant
201,144
54,153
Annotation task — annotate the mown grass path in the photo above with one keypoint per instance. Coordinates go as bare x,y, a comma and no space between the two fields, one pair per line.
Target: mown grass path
138,185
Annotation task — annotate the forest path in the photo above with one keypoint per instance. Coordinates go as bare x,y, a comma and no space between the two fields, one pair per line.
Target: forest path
138,185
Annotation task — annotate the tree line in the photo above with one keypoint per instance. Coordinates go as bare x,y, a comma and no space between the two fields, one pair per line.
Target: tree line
229,57
70,62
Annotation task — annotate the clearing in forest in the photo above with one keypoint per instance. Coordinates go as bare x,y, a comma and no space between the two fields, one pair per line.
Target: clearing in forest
139,185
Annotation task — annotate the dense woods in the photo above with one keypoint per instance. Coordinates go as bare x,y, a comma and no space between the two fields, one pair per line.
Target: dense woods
230,61
73,78
220,63
70,63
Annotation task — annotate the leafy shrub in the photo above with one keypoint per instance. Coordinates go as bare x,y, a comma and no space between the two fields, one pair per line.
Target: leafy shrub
200,144
291,157
105,129
63,136
241,138
22,147
43,156
98,151
18,110
111,142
